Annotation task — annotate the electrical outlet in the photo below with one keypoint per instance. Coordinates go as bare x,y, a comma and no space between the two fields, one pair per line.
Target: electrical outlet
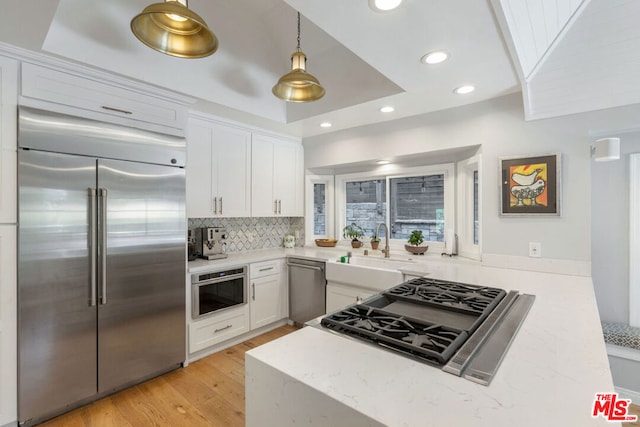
535,249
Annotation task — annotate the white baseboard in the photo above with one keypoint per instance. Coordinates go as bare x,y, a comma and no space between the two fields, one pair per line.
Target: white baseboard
629,394
545,265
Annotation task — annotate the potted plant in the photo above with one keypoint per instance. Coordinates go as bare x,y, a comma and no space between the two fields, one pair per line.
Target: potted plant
415,240
375,241
355,233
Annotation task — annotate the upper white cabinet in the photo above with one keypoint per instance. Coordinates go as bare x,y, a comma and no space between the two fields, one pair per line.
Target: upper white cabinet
92,97
218,170
8,139
277,177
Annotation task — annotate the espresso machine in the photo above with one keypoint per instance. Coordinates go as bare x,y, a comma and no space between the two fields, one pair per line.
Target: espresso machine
211,242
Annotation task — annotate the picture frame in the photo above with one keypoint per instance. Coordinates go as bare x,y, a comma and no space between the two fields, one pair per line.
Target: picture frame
530,185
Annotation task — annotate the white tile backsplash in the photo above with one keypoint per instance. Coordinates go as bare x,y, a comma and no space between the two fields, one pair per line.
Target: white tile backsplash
248,234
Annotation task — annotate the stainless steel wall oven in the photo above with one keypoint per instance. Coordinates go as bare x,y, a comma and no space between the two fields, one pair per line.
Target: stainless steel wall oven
218,290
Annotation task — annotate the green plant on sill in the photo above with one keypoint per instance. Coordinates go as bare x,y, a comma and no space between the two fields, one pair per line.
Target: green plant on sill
353,232
415,238
375,238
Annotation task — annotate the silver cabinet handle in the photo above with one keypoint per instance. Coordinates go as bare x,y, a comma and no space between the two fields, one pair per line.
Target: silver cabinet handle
275,209
280,206
117,110
266,269
215,205
221,329
220,205
253,291
93,246
103,245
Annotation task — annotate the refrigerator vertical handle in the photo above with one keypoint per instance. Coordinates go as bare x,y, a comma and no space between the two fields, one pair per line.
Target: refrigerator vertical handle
93,246
103,245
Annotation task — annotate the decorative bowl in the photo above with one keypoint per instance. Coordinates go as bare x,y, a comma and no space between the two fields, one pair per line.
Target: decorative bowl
326,243
416,250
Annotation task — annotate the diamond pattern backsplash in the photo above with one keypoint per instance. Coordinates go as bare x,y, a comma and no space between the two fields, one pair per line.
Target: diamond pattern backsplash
250,234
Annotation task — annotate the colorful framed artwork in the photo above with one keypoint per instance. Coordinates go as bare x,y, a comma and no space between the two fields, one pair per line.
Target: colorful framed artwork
530,185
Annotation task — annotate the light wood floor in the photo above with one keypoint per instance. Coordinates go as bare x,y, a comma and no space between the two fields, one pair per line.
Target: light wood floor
209,392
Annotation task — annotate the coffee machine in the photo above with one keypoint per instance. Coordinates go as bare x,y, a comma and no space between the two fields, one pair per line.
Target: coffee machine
211,242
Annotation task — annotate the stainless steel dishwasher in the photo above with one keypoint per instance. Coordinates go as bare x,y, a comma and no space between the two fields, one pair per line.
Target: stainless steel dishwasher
307,289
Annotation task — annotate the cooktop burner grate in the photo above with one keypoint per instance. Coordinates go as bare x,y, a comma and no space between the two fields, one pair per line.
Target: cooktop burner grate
424,318
456,296
429,342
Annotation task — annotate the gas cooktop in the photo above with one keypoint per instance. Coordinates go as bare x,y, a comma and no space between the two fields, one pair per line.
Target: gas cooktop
443,323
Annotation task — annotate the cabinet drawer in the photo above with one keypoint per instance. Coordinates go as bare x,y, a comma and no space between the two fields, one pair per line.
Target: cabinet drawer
216,329
265,268
87,94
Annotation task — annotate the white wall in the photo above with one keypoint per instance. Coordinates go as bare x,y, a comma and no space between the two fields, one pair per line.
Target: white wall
501,129
610,231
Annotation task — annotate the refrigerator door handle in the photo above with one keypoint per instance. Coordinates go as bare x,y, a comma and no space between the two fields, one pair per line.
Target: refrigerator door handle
93,245
103,245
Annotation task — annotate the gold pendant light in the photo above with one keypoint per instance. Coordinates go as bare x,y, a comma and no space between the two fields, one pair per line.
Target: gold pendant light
298,85
172,28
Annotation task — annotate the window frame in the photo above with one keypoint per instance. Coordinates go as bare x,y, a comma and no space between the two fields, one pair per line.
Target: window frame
466,246
328,181
446,169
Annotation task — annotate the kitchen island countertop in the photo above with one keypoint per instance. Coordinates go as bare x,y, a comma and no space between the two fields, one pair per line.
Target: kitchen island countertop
550,375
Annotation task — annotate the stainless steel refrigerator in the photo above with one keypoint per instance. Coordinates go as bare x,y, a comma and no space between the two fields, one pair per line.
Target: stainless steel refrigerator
101,260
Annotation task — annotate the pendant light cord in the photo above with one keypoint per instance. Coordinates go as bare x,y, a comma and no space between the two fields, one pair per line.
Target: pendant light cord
298,48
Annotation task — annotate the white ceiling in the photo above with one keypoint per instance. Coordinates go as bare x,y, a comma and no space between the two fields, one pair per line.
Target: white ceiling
364,59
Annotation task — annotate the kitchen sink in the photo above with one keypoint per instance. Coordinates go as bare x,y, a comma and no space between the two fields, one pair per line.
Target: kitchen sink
367,272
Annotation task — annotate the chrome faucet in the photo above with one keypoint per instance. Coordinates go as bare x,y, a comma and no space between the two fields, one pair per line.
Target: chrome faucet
385,251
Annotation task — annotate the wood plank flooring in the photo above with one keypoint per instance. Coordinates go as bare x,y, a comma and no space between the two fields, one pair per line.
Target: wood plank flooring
209,392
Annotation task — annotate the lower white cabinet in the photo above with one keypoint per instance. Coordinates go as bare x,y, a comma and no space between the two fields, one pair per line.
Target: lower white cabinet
339,296
218,328
267,292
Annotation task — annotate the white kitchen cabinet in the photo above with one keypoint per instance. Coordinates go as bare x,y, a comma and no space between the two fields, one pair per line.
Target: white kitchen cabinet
277,177
218,170
267,292
93,97
217,328
8,320
8,139
340,296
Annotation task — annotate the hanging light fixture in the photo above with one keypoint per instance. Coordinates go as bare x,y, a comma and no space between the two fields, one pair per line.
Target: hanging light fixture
298,85
172,28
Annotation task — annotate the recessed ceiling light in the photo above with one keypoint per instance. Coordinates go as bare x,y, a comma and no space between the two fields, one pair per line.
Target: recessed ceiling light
464,89
384,5
435,57
387,109
325,125
383,162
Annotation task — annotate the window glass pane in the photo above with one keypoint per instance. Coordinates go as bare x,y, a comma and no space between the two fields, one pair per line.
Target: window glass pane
319,210
475,207
417,203
366,204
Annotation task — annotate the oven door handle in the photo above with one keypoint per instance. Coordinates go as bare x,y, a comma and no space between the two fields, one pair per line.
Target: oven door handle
221,279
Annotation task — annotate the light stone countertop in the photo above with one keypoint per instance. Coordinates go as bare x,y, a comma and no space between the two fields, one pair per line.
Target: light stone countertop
549,377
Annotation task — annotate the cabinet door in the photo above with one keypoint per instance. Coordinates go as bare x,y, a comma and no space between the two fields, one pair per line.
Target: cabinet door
286,164
8,138
232,171
266,296
338,297
263,202
199,176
